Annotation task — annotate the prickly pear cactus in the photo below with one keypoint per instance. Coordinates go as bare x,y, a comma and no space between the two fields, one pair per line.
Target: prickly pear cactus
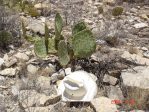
51,46
83,44
58,29
63,53
78,27
40,48
46,37
58,25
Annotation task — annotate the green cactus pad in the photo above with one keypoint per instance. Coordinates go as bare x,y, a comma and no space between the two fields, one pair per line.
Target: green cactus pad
32,39
46,37
23,30
63,53
40,48
51,46
78,27
83,44
58,25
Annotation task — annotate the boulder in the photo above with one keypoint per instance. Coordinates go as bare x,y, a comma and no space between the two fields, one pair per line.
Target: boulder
136,84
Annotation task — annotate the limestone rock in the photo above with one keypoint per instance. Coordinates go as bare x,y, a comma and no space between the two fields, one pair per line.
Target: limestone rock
136,82
28,98
135,58
140,25
41,6
110,79
136,77
144,49
1,61
32,69
8,72
36,26
146,54
115,93
22,56
110,1
103,104
37,109
10,62
43,82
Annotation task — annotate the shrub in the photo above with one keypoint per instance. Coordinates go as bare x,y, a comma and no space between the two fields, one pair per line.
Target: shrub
9,27
32,11
5,39
117,11
100,10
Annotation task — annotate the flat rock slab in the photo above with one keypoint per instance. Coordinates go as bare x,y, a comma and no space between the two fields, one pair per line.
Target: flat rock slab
136,84
103,104
8,72
136,77
29,98
135,58
141,25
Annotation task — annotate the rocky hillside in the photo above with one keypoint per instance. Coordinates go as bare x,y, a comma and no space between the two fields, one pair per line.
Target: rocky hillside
119,65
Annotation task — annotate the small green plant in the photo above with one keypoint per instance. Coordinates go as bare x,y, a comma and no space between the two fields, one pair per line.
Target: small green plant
113,41
100,10
117,11
32,11
80,45
5,38
22,6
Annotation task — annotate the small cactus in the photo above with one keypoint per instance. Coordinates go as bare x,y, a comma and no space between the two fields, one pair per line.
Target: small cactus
40,48
32,11
78,27
5,38
117,11
83,44
113,41
100,10
63,53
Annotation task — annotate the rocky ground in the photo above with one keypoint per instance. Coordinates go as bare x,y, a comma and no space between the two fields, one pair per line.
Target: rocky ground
121,61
